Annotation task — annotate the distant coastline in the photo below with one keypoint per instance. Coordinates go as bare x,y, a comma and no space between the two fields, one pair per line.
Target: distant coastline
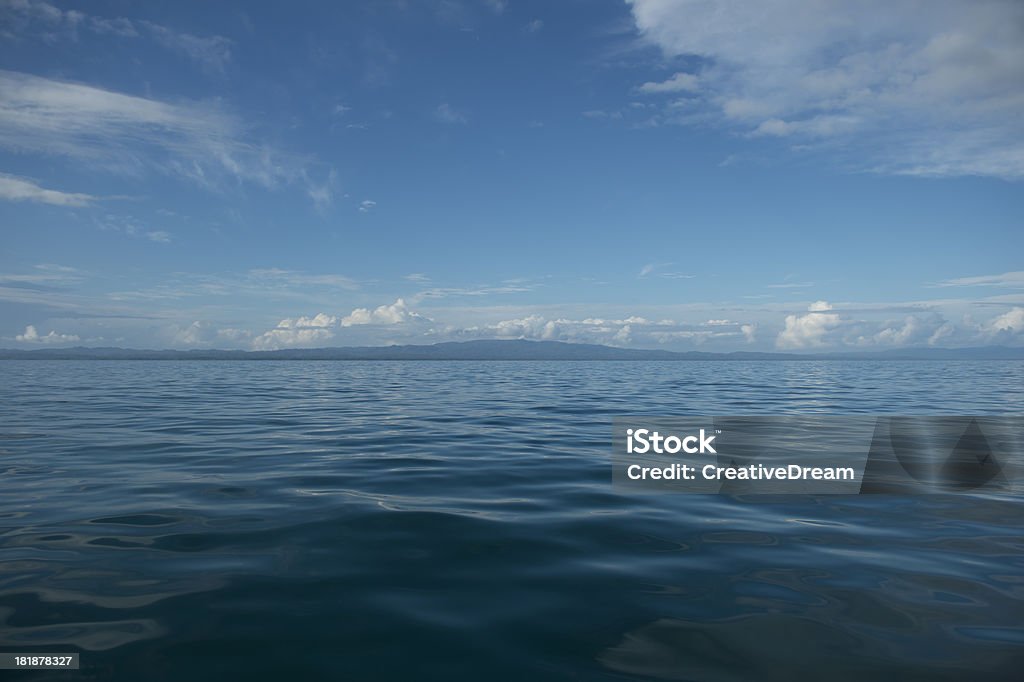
501,350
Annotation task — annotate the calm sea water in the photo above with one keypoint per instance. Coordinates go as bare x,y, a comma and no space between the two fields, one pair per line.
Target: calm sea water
456,521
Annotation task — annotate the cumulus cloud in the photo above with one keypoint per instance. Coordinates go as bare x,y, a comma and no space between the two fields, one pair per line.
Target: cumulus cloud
630,331
822,327
395,313
298,332
924,87
810,330
279,338
914,330
320,320
31,335
1010,323
13,188
203,333
305,331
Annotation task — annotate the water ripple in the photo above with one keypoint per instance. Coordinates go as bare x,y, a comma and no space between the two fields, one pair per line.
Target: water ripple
234,520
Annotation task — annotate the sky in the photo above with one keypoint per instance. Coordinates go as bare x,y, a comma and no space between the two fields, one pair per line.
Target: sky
793,175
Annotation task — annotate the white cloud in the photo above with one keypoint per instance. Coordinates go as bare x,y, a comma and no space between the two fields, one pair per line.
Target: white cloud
322,194
922,87
630,331
298,332
366,206
320,320
130,134
1011,322
279,338
658,270
903,335
33,336
506,287
277,277
295,332
680,82
647,269
395,313
133,228
13,188
1007,279
195,334
810,330
532,327
791,285
535,26
210,52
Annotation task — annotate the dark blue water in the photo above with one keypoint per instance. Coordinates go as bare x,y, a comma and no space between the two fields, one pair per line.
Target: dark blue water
456,521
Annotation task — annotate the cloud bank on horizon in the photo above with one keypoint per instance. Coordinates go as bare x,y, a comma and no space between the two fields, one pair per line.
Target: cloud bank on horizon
797,175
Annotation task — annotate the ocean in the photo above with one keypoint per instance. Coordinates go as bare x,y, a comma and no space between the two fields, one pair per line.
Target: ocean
305,520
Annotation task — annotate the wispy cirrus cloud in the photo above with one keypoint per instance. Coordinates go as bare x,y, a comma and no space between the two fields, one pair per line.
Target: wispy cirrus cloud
129,134
924,87
14,188
257,284
790,285
659,270
445,113
1006,279
210,52
131,227
506,287
42,276
37,18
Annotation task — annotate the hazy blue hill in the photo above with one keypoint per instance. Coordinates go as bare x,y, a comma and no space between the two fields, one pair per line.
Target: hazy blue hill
500,350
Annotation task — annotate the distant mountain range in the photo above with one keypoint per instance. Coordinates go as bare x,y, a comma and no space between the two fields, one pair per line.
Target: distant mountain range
501,350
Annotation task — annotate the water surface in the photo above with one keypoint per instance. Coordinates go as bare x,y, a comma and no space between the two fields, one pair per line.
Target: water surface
446,520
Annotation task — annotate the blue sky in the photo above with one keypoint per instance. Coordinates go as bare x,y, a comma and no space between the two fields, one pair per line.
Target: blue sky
794,175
